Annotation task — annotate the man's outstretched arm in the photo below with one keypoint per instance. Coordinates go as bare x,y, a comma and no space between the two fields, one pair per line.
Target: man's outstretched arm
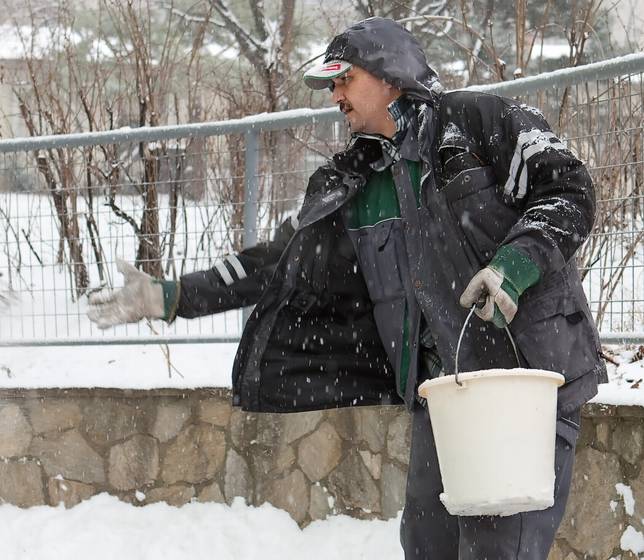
235,281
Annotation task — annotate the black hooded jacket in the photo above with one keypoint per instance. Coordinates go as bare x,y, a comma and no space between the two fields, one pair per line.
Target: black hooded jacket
492,174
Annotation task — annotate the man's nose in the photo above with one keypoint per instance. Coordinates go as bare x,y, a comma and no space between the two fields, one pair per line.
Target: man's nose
337,94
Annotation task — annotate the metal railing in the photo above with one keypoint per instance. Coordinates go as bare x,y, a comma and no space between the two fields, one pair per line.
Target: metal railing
177,198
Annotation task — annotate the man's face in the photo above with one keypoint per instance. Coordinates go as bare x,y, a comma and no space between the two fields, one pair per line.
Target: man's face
363,98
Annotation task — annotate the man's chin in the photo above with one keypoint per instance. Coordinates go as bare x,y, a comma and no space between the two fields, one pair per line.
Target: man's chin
355,126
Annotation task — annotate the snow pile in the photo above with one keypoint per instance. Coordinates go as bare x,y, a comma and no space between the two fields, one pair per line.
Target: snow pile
626,374
103,528
627,495
632,540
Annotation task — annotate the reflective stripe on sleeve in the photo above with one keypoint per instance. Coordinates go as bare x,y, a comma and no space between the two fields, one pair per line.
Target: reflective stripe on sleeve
223,272
528,144
237,266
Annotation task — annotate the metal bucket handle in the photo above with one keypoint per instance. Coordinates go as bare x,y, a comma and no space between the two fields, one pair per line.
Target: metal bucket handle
460,338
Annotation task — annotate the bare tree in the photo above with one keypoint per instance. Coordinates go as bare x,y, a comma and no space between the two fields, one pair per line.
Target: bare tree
267,51
265,46
399,10
52,111
475,33
70,87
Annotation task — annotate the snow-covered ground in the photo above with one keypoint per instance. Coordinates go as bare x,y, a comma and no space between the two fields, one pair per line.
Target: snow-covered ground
126,367
207,365
103,528
626,378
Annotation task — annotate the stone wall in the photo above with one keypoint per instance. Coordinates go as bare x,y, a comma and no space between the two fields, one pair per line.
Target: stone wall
608,476
63,446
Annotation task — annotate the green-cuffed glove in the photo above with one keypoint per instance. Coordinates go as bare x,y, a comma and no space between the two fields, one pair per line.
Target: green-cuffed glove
509,274
141,297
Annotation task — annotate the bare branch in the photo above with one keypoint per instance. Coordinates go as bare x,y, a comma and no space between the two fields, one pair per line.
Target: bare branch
190,18
257,9
250,48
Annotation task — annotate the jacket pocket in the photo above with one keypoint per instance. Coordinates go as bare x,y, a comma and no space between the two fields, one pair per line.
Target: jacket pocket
473,199
568,427
378,253
380,249
553,333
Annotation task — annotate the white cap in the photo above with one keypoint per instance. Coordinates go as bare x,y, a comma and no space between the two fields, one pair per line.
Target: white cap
319,77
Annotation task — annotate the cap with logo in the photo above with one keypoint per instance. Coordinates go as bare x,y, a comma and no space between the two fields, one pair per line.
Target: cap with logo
320,76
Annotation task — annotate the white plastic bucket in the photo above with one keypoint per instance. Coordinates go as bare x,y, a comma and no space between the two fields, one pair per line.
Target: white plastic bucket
495,439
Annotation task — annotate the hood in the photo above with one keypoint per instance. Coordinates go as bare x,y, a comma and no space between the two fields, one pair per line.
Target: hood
387,50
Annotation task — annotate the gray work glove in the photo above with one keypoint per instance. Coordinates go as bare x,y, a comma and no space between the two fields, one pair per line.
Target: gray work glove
501,283
500,307
141,297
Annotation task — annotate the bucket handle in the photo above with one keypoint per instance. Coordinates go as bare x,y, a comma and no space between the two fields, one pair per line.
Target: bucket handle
460,338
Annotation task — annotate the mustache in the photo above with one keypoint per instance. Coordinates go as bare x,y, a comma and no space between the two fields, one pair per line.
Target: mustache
345,106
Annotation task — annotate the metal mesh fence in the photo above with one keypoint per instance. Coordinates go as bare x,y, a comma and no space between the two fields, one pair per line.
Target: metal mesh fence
174,206
177,199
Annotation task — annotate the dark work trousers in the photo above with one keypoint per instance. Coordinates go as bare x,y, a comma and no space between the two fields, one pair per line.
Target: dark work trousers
429,532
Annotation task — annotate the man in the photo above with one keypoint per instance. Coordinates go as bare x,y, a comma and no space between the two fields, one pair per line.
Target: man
440,199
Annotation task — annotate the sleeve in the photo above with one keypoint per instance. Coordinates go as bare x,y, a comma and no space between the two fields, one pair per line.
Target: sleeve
541,177
237,280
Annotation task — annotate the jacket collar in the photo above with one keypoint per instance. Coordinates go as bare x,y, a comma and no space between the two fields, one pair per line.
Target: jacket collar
409,145
404,144
403,111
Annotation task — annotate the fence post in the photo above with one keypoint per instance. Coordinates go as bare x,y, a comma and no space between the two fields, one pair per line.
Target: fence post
251,170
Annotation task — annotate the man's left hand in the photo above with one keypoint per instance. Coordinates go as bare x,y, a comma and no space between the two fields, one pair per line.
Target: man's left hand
500,304
501,283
